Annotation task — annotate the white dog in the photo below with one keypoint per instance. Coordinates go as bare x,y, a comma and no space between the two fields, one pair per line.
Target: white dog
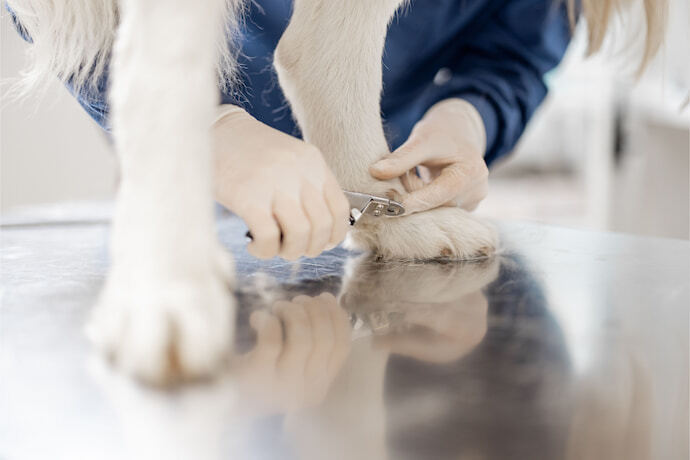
166,310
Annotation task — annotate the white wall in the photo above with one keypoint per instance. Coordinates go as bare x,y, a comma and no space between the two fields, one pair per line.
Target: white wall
50,150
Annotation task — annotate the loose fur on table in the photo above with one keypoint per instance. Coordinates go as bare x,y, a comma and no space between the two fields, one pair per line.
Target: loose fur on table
165,310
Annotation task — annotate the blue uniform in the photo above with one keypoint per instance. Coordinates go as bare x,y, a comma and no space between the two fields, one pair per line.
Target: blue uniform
494,54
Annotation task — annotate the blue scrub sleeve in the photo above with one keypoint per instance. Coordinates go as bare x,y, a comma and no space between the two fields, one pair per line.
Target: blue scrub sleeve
500,69
95,100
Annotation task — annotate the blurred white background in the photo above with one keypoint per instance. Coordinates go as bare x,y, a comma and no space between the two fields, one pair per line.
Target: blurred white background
608,151
604,152
50,150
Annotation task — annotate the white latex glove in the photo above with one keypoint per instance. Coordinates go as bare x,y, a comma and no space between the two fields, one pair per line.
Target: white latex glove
277,184
447,146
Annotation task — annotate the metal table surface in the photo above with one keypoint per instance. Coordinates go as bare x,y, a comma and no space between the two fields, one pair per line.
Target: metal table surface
567,345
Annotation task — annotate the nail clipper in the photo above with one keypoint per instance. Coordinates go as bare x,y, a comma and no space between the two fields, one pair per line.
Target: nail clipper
371,205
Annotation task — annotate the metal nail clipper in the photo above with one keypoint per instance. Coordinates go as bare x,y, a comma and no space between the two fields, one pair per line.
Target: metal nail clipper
371,205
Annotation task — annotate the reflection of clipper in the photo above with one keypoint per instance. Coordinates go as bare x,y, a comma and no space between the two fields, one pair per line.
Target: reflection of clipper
378,322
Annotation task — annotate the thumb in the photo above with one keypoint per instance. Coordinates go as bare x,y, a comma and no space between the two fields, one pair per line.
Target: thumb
406,157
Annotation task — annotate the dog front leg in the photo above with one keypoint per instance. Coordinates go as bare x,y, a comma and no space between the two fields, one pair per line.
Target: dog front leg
166,311
329,66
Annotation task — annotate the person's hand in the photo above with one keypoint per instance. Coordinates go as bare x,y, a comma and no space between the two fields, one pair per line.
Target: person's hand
447,147
278,185
300,348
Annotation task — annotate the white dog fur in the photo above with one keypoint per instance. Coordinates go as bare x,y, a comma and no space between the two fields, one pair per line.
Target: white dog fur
329,65
165,310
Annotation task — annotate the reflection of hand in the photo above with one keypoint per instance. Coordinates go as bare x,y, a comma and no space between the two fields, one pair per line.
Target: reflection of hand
440,332
292,366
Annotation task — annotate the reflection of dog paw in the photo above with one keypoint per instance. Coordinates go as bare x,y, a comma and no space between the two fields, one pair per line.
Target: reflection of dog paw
161,329
441,233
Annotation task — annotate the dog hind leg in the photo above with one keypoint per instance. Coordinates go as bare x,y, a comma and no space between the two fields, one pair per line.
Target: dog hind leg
329,67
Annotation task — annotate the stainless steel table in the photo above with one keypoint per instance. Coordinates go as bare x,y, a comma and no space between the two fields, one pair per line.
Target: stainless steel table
569,344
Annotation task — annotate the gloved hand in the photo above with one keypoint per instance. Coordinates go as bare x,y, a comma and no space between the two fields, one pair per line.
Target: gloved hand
277,183
447,146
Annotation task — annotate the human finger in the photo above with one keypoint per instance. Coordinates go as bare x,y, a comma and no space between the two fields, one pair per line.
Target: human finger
340,212
320,323
269,335
442,189
412,153
295,227
320,218
471,198
316,374
411,181
297,335
342,333
265,233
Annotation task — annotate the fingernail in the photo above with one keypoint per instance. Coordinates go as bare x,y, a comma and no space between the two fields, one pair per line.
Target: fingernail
381,164
410,206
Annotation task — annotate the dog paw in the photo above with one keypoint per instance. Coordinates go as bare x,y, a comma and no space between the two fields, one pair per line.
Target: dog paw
441,233
162,329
